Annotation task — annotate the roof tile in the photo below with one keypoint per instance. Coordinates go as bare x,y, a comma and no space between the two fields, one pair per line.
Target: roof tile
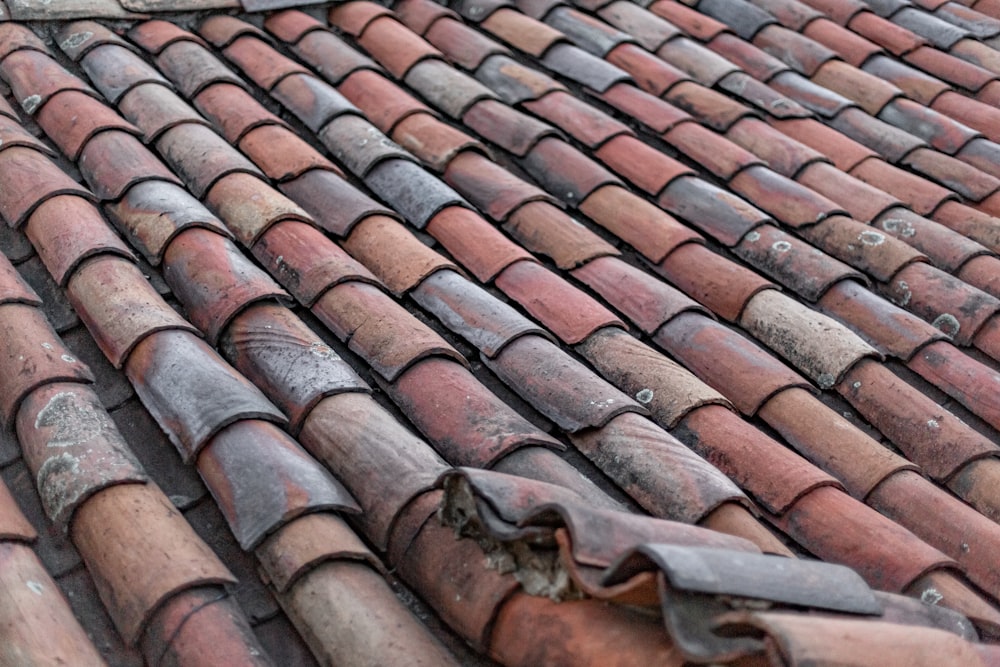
744,18
12,133
583,68
546,230
980,271
877,254
969,112
250,206
524,33
917,85
647,168
650,73
206,396
156,35
17,37
653,112
200,156
715,153
115,70
514,82
512,130
757,62
801,53
962,71
31,179
291,25
222,30
890,142
233,111
969,222
716,212
840,11
942,132
476,244
592,35
359,145
113,161
538,9
863,201
918,193
845,153
562,169
152,213
869,91
465,47
956,175
330,56
72,118
394,46
393,253
281,153
647,28
15,526
710,107
354,17
61,246
706,67
692,22
812,96
961,376
940,33
762,96
788,201
255,57
13,288
432,140
35,77
415,193
336,205
850,46
781,153
77,38
493,189
420,16
156,109
385,103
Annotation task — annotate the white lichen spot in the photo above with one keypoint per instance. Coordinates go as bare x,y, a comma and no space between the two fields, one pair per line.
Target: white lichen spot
322,350
964,546
931,596
898,226
76,39
904,293
781,246
30,103
947,323
752,237
47,346
72,420
826,380
933,423
645,396
857,385
871,238
34,587
68,358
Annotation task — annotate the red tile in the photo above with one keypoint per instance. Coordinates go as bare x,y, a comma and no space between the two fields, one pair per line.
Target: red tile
897,40
649,29
331,56
31,178
820,348
917,85
46,424
12,133
15,526
477,316
850,46
354,17
35,77
840,11
291,25
464,46
969,112
890,142
395,46
305,262
77,38
567,172
222,30
156,35
578,119
926,433
956,175
233,111
712,108
72,118
981,271
514,82
978,53
650,73
649,110
964,379
715,153
491,188
566,311
954,70
845,153
693,23
113,161
393,253
788,201
473,242
877,254
781,153
522,32
281,153
722,285
812,96
419,15
34,356
942,132
260,62
61,245
512,130
17,37
115,70
287,360
261,478
710,209
432,140
358,144
335,205
192,68
13,288
152,213
954,307
757,62
918,193
863,201
990,93
249,206
156,109
383,102
806,55
969,222
645,167
200,156
703,65
545,229
871,92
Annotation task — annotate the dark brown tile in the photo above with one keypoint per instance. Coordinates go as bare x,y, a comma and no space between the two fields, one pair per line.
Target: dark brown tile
514,82
113,161
647,28
62,246
512,130
432,140
156,109
878,254
335,204
156,35
249,206
645,167
466,47
233,110
201,156
209,394
282,154
477,245
863,201
384,103
546,230
35,77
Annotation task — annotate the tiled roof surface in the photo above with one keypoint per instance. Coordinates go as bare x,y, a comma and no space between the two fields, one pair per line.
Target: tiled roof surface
525,332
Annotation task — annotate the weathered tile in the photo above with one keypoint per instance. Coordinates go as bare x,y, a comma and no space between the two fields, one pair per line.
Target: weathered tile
55,306
791,13
869,91
35,77
260,62
434,141
890,142
492,189
281,153
393,253
946,248
335,205
522,32
917,85
918,193
385,104
233,110
788,201
479,246
78,587
713,152
449,90
358,144
711,209
565,171
156,35
31,179
416,194
962,72
71,118
12,133
291,25
645,167
222,30
112,387
707,67
249,206
956,175
592,35
648,29
354,17
842,151
113,161
850,46
969,222
156,108
940,131
14,244
652,74
544,229
514,82
940,33
714,109
13,288
762,96
331,56
878,254
701,27
744,18
812,96
17,37
201,156
115,70
507,127
466,47
863,201
394,46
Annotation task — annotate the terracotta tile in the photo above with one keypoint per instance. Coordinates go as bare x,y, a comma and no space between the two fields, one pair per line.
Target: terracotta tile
15,526
954,307
716,154
491,188
844,152
712,108
200,156
115,70
432,140
34,357
381,331
545,465
17,37
73,118
291,25
420,16
12,133
720,284
354,17
782,197
917,85
544,229
473,242
647,168
694,23
583,68
869,91
35,77
762,96
358,144
918,193
963,378
850,46
77,38
969,112
465,47
233,111
781,153
381,463
890,142
941,34
281,153
514,82
653,112
649,72
512,130
926,433
956,175
969,222
385,104
667,389
152,213
877,254
522,32
648,29
942,132
261,63
590,34
335,205
990,93
538,9
393,253
209,394
840,11
952,69
331,56
63,247
13,288
154,36
395,46
744,18
249,206
980,271
801,53
415,193
113,161
812,96
155,109
757,62
557,386
712,210
863,201
705,66
983,154
222,30
577,177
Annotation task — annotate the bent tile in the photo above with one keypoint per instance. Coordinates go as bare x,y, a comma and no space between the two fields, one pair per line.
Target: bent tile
201,156
31,178
466,309
668,390
514,82
62,247
394,46
565,171
416,194
261,479
155,35
32,357
287,360
305,261
193,68
544,229
491,188
393,253
512,130
13,288
144,551
558,386
281,153
466,423
878,254
72,448
214,280
190,391
331,56
249,206
645,167
379,329
789,202
449,90
72,118
153,213
335,205
432,140
466,47
818,346
948,249
863,201
113,161
384,102
479,246
358,144
34,78
312,101
742,371
233,110
155,109
119,306
713,210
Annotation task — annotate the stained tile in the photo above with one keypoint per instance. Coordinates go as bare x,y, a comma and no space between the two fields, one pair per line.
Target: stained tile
920,194
72,118
652,74
331,57
12,133
415,193
853,48
17,37
878,254
648,169
115,70
841,11
804,55
575,177
156,35
869,91
782,197
514,82
281,153
980,271
581,67
480,247
52,546
757,62
969,112
958,71
156,109
209,396
706,67
546,230
592,35
385,103
432,140
113,161
393,253
249,206
222,30
692,22
61,246
744,18
559,387
77,38
940,33
510,129
969,222
781,153
938,130
716,154
712,108
291,25
844,152
763,97
233,111
354,17
55,305
712,210
467,48
956,175
336,206
201,156
863,201
522,32
449,90
917,85
378,329
359,145
395,46
35,77
260,62
648,29
420,16
890,142
653,112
